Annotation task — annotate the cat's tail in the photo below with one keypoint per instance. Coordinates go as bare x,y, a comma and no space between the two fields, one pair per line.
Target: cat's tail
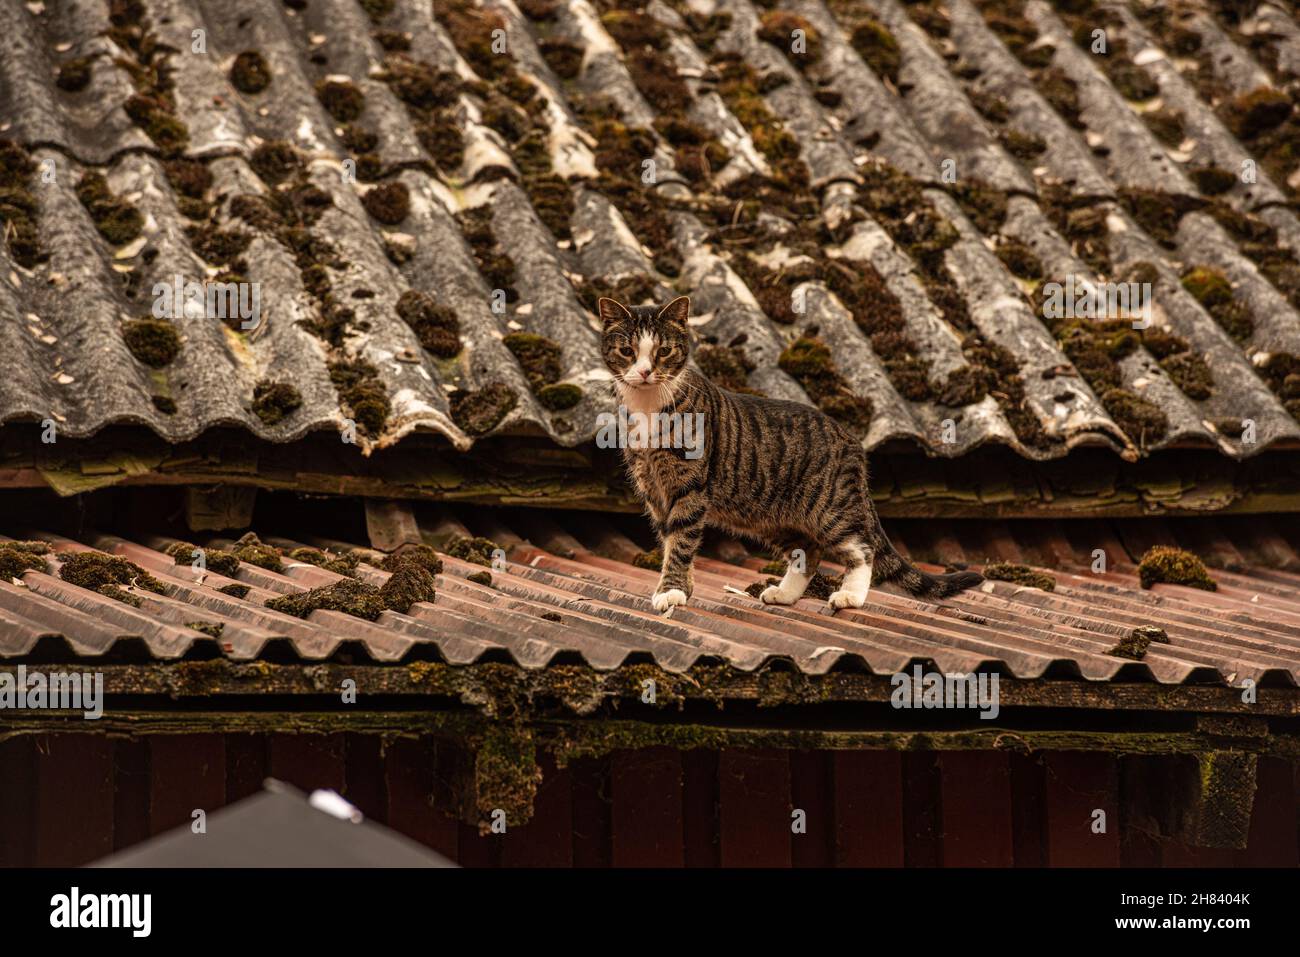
889,566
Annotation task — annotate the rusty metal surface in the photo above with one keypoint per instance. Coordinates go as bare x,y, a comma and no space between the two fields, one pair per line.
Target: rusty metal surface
64,360
578,569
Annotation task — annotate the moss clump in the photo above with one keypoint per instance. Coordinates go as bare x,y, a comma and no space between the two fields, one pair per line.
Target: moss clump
1174,566
1214,292
362,391
117,221
990,106
1063,94
154,342
273,401
562,55
18,207
251,549
538,10
410,583
1133,82
1020,575
339,564
19,557
234,590
1256,112
1134,645
472,549
778,27
1142,421
74,75
559,396
1165,125
1023,146
480,578
348,596
984,206
1019,259
120,594
250,73
419,85
377,10
212,629
493,261
808,361
341,99
94,570
877,47
651,560
389,203
275,161
1212,180
540,358
423,555
436,326
480,411
727,366
215,560
1191,374
1159,213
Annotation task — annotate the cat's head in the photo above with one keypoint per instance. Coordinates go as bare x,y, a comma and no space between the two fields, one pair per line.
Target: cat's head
645,347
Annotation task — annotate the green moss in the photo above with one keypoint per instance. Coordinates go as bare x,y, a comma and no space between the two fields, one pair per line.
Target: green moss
1019,259
339,564
389,203
216,560
18,206
808,361
348,596
652,560
479,411
411,582
877,46
559,396
377,10
19,557
778,27
422,555
1020,575
1174,566
250,73
552,200
153,114
1191,374
362,391
436,326
539,357
472,549
1212,180
984,206
1022,146
94,570
1159,213
234,590
727,366
74,75
1063,94
990,106
1133,82
1134,645
480,578
251,549
120,594
117,221
274,401
341,98
154,342
1166,125
1210,287
275,161
1144,422
1256,112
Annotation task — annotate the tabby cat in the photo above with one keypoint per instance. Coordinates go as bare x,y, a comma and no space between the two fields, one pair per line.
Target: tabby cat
782,473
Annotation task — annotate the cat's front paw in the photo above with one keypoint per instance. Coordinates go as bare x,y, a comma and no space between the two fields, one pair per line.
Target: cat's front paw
665,601
846,599
773,595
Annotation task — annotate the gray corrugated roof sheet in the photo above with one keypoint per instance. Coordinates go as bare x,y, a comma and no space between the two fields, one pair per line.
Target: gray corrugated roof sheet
569,591
66,360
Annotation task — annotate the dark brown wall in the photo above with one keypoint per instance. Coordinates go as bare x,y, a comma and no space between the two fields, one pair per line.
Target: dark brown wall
69,799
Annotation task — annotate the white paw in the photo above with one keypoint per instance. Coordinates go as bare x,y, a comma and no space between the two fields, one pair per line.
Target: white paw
772,595
846,599
666,601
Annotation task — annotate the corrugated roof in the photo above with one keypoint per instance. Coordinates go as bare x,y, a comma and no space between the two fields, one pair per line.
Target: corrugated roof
569,593
924,88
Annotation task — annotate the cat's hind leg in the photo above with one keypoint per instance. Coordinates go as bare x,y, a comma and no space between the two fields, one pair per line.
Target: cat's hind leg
857,578
801,565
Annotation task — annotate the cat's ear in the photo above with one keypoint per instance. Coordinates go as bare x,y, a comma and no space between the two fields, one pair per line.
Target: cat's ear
611,312
676,311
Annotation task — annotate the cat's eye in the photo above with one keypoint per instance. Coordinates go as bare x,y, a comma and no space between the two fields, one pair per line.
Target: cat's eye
666,351
626,352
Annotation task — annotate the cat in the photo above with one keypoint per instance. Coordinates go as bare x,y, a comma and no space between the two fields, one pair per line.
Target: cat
781,473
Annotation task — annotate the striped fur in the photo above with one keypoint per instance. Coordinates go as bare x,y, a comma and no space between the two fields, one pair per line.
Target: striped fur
778,472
